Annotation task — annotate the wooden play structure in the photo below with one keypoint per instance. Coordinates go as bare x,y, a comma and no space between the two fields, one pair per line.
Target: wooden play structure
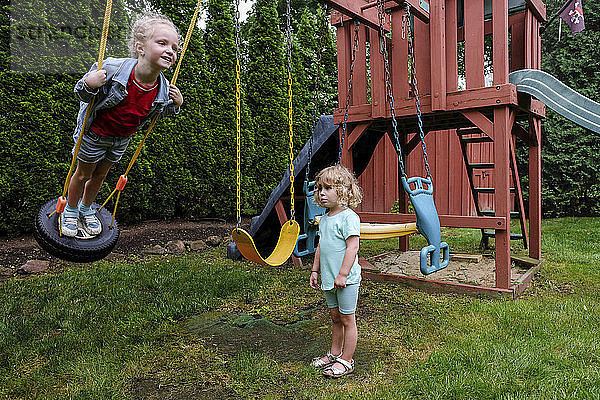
472,116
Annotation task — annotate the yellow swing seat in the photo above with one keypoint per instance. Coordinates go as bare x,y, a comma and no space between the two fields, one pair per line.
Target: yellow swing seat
386,231
283,250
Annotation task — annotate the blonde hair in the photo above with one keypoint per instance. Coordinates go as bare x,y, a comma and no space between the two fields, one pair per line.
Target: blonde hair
344,182
143,28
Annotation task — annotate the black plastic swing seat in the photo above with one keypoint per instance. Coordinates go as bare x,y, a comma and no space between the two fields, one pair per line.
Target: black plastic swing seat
83,248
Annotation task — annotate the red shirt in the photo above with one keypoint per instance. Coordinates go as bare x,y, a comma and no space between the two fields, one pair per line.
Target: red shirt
124,118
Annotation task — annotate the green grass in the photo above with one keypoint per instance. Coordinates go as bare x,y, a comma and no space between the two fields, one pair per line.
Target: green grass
202,327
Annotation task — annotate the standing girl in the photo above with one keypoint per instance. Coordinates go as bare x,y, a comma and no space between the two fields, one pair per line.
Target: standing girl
337,260
127,94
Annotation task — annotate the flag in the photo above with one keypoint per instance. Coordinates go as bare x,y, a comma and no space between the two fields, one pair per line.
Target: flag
572,14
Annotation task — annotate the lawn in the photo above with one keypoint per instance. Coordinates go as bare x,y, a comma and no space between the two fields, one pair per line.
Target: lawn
203,327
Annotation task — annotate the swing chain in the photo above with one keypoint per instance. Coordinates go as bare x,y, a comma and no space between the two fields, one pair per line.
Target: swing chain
348,93
288,34
322,32
388,83
237,115
413,83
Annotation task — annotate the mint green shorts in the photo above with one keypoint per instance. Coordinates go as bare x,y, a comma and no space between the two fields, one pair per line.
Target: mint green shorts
343,299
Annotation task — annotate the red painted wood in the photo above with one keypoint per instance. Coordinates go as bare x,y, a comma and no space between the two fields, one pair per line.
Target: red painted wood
451,47
432,286
359,75
474,44
502,194
535,191
517,47
500,41
351,8
399,58
437,29
423,57
538,8
343,64
378,93
357,133
452,221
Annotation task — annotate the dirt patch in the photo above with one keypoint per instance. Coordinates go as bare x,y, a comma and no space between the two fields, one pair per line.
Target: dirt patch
14,252
478,271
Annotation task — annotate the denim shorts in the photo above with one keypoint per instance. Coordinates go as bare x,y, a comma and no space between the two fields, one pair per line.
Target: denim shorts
96,147
344,299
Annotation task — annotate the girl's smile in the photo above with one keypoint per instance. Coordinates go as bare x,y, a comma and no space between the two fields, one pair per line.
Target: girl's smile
160,50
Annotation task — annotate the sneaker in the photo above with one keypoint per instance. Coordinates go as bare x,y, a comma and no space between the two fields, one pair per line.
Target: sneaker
68,223
90,222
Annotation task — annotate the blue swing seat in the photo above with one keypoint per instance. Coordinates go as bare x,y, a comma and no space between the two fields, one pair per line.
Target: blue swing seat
428,223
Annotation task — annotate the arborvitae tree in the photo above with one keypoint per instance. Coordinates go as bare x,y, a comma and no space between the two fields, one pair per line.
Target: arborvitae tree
267,99
571,182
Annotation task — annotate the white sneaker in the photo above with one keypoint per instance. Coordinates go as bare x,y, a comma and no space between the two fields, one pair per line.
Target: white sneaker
90,222
68,223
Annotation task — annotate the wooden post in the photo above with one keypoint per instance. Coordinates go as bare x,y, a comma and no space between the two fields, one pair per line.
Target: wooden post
437,32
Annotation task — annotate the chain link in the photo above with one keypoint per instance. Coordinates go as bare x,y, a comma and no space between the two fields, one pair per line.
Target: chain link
348,94
388,83
288,34
413,83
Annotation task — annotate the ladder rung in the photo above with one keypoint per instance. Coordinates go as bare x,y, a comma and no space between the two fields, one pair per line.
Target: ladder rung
478,139
489,190
468,131
492,213
481,166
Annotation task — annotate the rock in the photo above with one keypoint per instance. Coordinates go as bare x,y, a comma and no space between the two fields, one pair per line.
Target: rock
175,246
197,245
33,267
213,241
156,249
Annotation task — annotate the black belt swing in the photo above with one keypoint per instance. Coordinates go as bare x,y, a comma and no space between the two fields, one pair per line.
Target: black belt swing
83,247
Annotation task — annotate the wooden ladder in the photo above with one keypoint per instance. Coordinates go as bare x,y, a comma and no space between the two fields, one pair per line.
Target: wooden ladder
474,136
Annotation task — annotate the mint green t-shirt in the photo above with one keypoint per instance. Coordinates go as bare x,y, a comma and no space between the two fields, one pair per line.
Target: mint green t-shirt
333,232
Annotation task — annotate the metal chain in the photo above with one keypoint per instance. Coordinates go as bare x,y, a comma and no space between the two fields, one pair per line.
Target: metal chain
345,124
388,83
288,33
413,83
322,32
237,115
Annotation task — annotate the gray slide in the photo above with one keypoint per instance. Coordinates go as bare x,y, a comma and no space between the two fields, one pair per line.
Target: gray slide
558,96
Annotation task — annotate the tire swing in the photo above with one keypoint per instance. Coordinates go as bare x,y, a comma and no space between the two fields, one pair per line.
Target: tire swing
83,247
290,229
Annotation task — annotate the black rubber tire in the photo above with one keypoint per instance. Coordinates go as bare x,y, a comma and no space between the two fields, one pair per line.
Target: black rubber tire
73,249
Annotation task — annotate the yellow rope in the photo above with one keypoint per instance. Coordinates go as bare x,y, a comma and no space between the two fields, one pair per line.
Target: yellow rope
173,80
291,135
105,27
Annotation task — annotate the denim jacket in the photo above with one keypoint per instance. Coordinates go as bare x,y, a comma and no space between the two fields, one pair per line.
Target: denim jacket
118,71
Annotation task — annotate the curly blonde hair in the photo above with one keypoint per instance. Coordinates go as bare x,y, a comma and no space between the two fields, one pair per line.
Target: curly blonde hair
143,28
344,182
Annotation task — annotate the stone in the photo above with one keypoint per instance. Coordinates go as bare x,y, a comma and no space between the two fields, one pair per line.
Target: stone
197,245
156,249
175,246
33,267
213,241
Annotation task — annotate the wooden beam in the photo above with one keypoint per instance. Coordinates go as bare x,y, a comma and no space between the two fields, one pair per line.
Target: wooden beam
538,8
480,121
452,221
416,9
500,41
357,133
352,9
437,32
457,101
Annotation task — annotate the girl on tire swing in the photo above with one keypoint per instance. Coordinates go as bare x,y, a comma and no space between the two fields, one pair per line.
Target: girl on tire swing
128,92
336,259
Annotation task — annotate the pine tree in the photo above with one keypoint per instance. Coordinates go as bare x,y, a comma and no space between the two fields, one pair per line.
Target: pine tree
266,86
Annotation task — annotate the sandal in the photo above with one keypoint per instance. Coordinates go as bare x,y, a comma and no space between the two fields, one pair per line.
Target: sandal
333,372
318,362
